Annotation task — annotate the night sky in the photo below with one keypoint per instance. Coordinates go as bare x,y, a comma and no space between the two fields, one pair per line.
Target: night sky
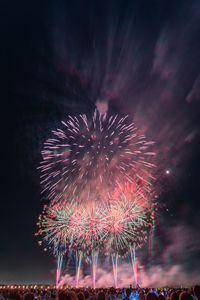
60,57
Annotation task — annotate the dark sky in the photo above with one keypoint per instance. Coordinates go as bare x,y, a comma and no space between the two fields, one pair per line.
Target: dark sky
60,57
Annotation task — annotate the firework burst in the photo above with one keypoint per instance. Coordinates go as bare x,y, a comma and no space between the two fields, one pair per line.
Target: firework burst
128,218
86,157
115,225
54,227
71,227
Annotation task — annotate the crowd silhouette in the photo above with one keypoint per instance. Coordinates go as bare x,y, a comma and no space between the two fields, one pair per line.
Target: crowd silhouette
192,293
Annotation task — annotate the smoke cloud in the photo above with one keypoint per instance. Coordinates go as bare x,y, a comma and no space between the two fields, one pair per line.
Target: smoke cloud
171,265
156,276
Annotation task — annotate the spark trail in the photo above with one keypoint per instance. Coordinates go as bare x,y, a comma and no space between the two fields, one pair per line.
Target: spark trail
59,269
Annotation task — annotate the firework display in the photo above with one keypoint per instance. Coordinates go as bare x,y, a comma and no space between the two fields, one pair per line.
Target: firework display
128,218
113,226
97,175
54,227
86,157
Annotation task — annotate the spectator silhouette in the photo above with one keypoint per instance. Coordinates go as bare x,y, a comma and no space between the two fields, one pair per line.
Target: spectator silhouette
174,296
67,295
197,291
141,295
151,296
161,297
101,296
14,296
87,295
29,296
185,296
81,296
128,293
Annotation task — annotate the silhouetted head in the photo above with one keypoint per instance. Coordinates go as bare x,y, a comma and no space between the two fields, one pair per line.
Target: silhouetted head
101,296
64,296
67,295
80,296
197,291
185,296
29,296
128,292
14,296
161,297
87,295
174,296
151,296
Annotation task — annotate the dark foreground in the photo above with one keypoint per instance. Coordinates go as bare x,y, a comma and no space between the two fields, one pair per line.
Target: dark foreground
51,293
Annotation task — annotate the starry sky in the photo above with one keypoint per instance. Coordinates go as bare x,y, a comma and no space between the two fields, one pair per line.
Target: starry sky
61,57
